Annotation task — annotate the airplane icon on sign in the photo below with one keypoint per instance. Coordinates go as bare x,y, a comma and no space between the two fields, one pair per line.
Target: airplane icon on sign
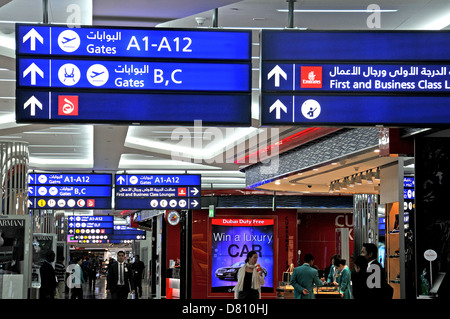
95,74
67,40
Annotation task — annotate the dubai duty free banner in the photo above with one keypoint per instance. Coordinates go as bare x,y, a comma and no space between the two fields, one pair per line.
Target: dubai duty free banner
231,240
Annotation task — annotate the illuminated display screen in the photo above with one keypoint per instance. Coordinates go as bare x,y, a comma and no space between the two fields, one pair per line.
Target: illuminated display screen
231,240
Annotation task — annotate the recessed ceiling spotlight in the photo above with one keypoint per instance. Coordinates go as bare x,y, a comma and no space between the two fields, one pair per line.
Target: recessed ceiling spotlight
338,10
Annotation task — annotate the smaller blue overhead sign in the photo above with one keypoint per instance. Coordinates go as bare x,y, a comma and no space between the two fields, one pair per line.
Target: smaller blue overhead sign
69,179
157,191
157,180
69,191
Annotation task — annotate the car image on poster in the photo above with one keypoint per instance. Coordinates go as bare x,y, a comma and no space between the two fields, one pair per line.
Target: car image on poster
232,239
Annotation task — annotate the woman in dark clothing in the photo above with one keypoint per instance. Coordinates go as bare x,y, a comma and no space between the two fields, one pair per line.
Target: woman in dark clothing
250,279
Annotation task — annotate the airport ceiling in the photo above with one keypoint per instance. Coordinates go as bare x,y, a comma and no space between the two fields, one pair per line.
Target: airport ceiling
113,148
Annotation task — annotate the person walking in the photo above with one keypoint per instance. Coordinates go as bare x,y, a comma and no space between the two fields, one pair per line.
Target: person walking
138,268
120,278
92,269
60,271
250,279
304,278
78,280
48,277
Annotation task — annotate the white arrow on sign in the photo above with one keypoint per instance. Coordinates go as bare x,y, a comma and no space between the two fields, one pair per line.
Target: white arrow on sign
277,72
33,69
277,106
194,203
33,102
120,179
33,35
194,191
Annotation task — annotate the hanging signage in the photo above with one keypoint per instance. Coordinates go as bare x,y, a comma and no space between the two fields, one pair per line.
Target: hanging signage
87,107
72,75
95,225
118,234
157,191
339,78
76,191
133,75
95,42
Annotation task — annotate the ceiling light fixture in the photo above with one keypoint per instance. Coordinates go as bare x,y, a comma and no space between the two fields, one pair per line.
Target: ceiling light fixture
338,10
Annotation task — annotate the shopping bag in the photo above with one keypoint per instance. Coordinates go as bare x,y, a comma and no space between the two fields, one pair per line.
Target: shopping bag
287,274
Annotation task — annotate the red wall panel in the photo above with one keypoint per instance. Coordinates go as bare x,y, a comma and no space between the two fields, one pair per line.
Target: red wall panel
316,235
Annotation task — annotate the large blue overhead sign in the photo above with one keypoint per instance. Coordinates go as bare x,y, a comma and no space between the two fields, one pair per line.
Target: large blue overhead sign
157,191
70,191
162,71
355,78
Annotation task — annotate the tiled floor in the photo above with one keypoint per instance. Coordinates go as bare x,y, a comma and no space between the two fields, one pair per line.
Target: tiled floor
99,292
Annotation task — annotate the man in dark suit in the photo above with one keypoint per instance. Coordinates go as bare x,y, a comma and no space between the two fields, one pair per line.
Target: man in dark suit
48,277
120,278
376,286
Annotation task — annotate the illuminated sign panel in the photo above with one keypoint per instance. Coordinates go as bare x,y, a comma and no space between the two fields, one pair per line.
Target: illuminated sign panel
157,191
72,191
73,75
231,240
355,78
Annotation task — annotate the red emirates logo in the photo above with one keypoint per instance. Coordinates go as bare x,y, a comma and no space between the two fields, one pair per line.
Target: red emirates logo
311,77
68,105
182,191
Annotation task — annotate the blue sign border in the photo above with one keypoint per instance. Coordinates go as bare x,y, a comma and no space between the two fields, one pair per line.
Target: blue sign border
291,45
211,44
150,108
